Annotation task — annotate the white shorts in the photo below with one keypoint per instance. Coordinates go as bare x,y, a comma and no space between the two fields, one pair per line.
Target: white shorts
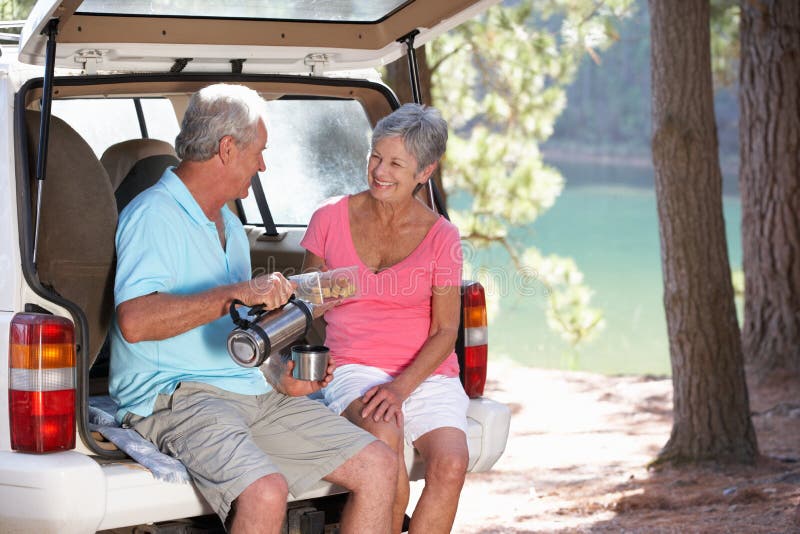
437,402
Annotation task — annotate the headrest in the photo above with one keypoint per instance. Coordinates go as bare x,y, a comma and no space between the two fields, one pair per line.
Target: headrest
119,159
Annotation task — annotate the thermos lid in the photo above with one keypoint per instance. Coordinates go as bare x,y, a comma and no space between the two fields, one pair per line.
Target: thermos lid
243,350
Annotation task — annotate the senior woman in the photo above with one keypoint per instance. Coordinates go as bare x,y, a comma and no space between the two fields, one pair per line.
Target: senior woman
397,373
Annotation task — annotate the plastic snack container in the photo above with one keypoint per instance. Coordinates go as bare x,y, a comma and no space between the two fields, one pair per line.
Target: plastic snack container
322,287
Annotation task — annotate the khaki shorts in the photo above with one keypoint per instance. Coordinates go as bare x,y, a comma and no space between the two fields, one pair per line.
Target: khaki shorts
228,441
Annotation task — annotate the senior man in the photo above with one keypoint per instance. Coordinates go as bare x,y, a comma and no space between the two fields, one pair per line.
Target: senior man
182,258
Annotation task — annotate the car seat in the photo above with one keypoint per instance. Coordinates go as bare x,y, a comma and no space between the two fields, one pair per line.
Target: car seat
75,252
135,165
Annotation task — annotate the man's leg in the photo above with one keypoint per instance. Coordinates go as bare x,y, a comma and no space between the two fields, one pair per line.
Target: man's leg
306,440
392,435
446,457
371,476
206,428
260,508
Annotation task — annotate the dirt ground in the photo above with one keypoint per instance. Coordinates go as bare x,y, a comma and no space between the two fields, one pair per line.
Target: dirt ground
577,457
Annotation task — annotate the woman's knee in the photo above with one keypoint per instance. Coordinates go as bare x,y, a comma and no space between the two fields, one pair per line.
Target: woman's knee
387,432
391,435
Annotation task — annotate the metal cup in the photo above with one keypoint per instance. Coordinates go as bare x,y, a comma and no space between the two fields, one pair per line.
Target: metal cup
310,362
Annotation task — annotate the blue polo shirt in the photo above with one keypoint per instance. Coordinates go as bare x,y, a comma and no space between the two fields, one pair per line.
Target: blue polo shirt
165,243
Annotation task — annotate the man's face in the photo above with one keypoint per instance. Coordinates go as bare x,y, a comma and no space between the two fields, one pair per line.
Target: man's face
248,161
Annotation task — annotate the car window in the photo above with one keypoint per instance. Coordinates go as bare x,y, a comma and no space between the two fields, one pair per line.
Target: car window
159,116
104,122
316,149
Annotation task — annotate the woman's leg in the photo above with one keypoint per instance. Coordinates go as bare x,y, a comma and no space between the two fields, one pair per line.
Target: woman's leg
446,457
392,435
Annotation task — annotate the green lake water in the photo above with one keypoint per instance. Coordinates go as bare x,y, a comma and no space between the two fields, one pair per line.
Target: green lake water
606,220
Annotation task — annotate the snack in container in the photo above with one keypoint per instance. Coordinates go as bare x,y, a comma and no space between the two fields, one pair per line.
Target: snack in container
322,287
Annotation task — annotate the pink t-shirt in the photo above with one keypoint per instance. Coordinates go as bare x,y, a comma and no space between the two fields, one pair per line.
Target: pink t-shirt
389,319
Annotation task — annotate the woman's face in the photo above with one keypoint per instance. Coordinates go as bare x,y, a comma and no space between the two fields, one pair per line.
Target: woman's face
392,171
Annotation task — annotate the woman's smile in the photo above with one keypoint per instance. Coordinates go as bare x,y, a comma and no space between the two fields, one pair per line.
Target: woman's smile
380,183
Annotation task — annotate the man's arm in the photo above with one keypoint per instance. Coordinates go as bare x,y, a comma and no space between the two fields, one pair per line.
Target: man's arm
160,316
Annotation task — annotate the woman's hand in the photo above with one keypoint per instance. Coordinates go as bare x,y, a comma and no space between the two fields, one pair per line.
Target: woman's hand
384,401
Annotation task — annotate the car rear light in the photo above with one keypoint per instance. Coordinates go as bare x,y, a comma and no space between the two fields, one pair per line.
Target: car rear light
476,339
41,389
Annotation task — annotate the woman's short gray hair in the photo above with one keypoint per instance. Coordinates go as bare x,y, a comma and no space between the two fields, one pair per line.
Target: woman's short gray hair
422,128
214,112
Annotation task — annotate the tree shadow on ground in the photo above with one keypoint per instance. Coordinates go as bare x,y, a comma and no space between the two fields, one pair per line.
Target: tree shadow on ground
713,498
576,458
708,499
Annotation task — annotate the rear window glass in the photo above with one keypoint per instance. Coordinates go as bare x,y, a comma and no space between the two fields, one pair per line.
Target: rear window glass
104,122
160,119
310,10
316,149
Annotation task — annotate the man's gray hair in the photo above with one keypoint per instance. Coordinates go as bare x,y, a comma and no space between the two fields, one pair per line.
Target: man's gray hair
214,112
422,128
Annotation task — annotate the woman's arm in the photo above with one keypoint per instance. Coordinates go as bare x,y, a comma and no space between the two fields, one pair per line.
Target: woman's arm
312,262
385,401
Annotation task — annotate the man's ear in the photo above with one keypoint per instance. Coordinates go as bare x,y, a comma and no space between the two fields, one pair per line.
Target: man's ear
225,147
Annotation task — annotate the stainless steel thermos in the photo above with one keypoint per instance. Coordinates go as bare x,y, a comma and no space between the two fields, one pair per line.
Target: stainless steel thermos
267,332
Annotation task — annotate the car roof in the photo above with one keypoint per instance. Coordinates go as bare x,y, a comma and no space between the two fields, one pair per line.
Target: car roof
260,35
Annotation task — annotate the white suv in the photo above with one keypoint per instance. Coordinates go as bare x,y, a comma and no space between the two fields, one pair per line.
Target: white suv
102,85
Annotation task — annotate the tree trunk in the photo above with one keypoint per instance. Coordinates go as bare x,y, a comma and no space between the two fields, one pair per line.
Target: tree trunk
398,78
769,179
711,407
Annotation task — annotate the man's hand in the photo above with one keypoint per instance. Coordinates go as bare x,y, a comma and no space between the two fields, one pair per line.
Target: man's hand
272,290
384,401
279,375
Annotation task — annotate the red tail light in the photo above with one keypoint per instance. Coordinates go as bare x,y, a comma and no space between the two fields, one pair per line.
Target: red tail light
41,385
476,339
